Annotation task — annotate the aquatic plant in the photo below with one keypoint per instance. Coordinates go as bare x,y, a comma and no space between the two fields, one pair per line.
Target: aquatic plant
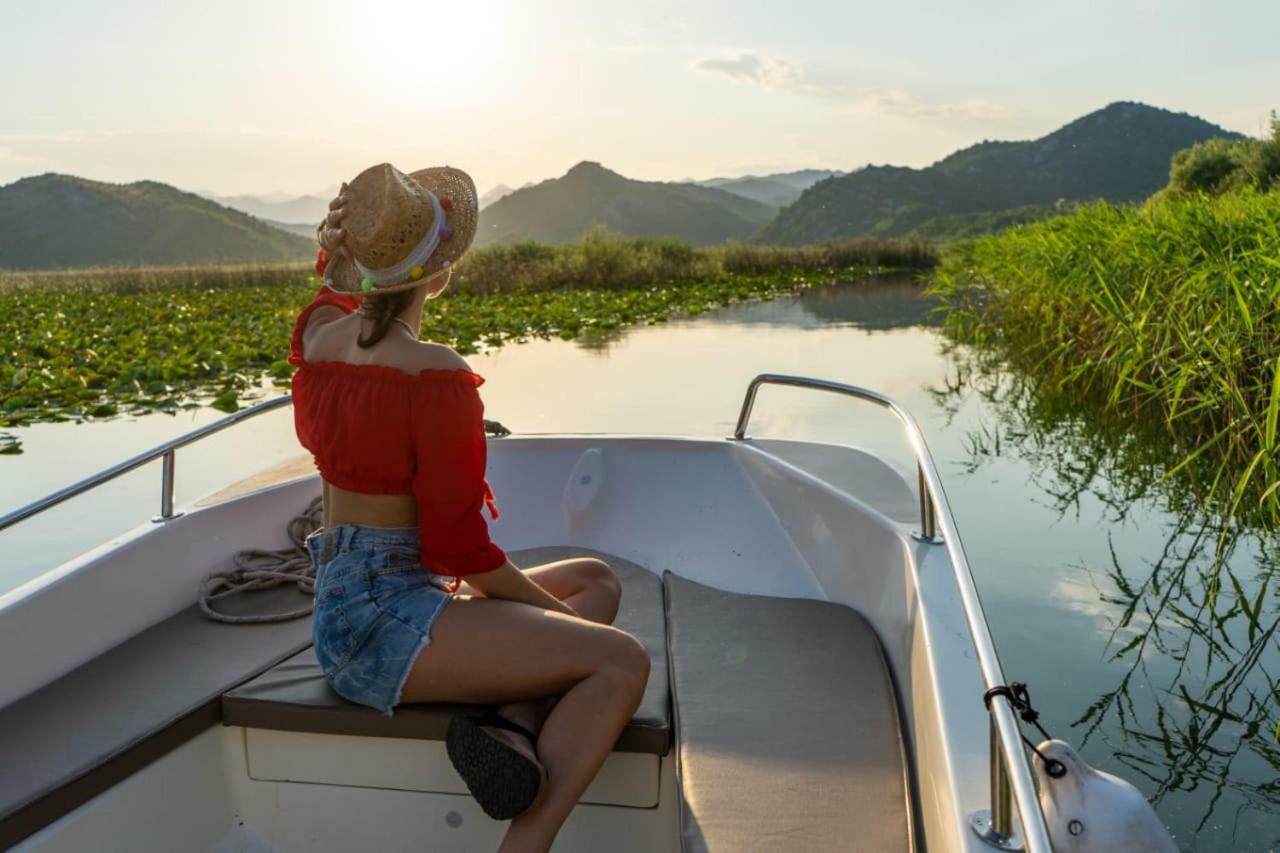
99,343
1165,316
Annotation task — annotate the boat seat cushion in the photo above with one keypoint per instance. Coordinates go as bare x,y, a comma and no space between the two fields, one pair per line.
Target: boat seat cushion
83,733
787,729
294,695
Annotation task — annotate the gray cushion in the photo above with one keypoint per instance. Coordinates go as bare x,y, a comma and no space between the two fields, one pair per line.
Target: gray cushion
294,695
78,736
787,729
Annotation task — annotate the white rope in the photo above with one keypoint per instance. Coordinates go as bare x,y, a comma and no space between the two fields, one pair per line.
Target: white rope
258,569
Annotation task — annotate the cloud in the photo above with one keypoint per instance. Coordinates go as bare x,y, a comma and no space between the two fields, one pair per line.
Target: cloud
780,75
764,71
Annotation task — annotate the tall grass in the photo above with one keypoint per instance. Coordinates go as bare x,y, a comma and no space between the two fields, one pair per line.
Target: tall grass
600,261
142,279
1165,316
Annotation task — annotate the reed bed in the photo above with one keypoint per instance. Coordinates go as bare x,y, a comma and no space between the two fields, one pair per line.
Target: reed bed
97,343
141,279
600,261
1163,317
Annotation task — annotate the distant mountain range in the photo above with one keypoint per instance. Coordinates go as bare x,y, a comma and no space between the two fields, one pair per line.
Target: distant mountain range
566,208
305,210
63,221
777,190
300,214
302,229
499,192
1120,153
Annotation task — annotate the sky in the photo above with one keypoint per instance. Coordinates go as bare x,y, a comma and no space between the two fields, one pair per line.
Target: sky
293,96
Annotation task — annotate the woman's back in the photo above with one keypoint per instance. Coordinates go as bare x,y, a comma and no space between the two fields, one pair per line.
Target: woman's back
330,334
398,436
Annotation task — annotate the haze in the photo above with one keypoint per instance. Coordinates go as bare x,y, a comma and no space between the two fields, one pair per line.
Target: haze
245,96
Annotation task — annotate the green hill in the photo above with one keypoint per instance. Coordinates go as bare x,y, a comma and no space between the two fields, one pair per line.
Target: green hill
64,221
563,209
1120,153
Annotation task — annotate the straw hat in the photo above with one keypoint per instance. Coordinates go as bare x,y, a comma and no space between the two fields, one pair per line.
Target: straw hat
403,229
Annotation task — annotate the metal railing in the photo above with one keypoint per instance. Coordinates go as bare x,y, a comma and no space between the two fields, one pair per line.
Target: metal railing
164,452
1010,773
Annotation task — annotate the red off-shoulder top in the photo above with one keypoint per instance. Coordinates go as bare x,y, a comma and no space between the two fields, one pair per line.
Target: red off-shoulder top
378,430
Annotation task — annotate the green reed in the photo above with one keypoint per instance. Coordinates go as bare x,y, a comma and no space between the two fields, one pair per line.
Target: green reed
97,343
599,261
1161,317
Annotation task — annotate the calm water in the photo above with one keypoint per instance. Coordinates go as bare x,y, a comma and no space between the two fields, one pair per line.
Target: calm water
1138,644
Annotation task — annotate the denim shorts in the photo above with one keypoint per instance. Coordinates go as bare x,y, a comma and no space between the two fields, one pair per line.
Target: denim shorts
375,606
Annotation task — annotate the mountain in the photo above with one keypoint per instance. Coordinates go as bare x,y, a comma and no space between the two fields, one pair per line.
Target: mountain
278,207
1120,153
64,221
777,190
302,229
299,214
491,195
565,208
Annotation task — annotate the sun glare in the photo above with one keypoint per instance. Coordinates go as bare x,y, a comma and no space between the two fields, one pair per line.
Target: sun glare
434,52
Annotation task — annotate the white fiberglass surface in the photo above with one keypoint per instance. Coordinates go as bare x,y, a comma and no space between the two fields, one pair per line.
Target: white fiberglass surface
203,798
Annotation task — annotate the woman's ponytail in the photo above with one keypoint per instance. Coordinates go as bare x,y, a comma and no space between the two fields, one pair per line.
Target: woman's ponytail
382,310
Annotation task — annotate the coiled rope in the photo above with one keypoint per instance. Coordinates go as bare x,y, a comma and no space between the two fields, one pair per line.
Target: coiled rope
257,569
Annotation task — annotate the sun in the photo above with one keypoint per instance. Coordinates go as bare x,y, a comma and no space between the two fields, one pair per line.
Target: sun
446,33
427,54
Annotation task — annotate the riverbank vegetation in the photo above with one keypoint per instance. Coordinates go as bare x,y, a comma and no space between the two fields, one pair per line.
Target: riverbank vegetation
1163,316
99,343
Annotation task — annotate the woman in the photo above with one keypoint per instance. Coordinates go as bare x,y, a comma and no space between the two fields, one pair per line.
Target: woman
395,425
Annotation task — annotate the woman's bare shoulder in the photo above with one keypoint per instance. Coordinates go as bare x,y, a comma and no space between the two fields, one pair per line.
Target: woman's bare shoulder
425,355
321,319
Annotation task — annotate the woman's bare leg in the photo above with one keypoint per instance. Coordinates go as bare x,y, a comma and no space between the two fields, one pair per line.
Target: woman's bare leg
586,584
491,652
592,589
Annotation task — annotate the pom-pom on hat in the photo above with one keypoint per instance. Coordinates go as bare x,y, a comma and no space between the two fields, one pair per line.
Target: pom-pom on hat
403,229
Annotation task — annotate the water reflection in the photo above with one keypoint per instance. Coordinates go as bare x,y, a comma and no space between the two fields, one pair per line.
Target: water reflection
891,302
1204,719
1190,649
877,304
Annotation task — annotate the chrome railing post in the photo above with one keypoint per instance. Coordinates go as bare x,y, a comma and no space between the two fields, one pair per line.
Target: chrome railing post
1001,793
748,403
928,517
996,827
167,486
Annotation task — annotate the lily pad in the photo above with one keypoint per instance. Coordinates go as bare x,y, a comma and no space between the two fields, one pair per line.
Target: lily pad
226,401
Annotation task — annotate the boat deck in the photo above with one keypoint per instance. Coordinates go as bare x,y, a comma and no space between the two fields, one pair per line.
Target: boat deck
781,711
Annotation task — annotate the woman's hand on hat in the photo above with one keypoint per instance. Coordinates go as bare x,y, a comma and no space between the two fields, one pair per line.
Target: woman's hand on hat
333,237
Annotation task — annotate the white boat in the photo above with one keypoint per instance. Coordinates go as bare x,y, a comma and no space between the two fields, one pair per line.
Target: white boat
820,655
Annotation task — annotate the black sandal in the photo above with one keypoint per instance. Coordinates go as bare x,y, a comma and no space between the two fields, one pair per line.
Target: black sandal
504,781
